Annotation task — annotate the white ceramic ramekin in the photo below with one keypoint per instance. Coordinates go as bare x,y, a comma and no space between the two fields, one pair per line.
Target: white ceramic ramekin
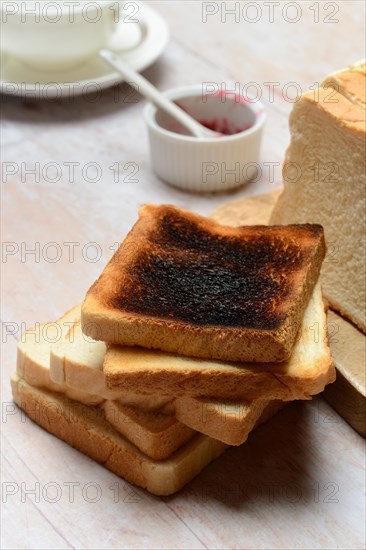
207,164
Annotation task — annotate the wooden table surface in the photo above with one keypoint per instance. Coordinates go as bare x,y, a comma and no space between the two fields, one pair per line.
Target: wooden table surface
299,480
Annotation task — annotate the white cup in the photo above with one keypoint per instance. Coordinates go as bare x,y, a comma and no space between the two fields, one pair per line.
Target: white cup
210,164
56,35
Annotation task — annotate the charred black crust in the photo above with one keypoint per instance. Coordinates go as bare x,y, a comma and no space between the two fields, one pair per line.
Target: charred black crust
192,275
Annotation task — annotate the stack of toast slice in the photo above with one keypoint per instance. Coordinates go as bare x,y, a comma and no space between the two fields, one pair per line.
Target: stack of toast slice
194,334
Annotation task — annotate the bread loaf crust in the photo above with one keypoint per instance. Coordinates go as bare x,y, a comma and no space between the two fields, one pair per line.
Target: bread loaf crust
351,83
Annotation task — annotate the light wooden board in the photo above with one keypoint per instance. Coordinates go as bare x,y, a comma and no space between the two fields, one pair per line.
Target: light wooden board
348,393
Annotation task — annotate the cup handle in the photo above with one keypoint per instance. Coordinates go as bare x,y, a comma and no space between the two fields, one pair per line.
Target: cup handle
128,28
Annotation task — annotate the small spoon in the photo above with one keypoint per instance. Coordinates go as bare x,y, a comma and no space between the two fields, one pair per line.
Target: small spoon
145,88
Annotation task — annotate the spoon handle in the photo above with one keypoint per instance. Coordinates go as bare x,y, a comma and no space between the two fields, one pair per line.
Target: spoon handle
145,88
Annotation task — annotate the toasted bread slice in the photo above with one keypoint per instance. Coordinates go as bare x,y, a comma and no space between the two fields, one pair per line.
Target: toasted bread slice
185,284
156,434
227,421
33,357
308,370
86,429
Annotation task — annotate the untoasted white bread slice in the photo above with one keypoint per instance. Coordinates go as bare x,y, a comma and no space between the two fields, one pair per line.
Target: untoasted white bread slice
77,361
324,182
309,369
86,429
33,357
156,434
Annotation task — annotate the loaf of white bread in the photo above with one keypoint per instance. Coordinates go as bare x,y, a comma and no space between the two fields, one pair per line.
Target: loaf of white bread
324,182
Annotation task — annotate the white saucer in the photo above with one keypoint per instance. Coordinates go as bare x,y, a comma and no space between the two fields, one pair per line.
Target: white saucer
143,43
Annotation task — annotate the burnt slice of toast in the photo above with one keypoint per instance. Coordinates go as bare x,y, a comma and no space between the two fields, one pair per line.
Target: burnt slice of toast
183,283
308,370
